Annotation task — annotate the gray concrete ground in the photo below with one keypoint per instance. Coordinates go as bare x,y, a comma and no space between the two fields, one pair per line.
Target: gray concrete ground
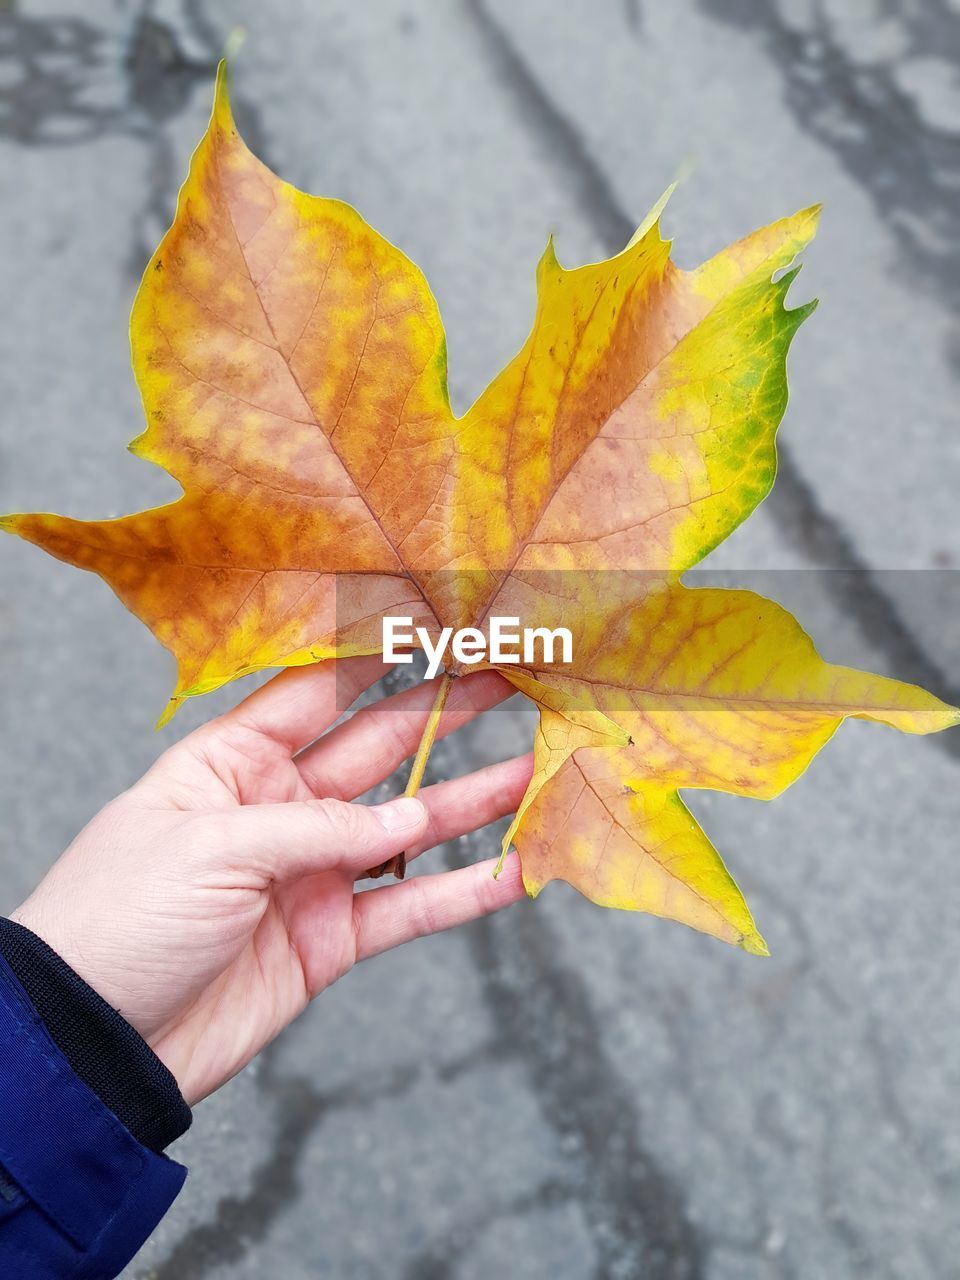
559,1092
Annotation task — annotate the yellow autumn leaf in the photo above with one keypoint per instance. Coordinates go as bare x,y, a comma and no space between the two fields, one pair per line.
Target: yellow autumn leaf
292,365
714,689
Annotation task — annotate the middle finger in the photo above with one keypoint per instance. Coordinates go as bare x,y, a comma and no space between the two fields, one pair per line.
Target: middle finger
365,749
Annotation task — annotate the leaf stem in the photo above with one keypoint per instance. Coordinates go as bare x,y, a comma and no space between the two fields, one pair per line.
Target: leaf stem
398,865
428,735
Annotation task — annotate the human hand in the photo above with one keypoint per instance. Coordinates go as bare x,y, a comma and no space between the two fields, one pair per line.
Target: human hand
214,899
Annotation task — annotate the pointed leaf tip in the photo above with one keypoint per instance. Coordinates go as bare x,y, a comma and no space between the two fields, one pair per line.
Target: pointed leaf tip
169,711
754,945
221,95
809,218
653,217
548,259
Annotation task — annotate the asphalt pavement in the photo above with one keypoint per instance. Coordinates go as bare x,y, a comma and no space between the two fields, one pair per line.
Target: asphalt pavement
559,1093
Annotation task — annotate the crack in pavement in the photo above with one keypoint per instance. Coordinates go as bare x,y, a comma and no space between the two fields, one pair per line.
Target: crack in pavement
161,77
567,150
856,591
56,58
792,503
439,1260
903,160
60,59
242,1220
57,61
542,1008
634,1213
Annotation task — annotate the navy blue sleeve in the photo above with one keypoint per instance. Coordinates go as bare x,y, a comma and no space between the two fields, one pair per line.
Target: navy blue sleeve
100,1045
79,1193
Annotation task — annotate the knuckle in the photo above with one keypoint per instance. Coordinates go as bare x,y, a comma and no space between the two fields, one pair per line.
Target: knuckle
426,918
383,727
340,821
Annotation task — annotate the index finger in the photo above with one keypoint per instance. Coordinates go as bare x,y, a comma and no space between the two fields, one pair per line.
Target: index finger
299,704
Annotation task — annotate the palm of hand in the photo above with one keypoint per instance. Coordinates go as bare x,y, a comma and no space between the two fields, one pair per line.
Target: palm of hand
216,898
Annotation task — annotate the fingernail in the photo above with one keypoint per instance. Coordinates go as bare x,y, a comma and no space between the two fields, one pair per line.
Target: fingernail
402,814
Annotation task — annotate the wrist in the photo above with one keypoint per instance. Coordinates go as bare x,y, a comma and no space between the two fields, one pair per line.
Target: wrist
35,915
102,1048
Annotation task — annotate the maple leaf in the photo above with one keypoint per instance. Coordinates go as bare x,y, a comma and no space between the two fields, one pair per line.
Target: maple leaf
292,365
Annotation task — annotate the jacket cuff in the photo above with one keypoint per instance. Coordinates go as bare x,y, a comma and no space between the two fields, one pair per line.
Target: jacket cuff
78,1193
101,1047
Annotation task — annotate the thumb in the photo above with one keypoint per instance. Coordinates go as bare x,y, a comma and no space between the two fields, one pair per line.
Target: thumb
300,838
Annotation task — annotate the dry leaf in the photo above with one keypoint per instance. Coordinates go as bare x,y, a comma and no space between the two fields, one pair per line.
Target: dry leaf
293,371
